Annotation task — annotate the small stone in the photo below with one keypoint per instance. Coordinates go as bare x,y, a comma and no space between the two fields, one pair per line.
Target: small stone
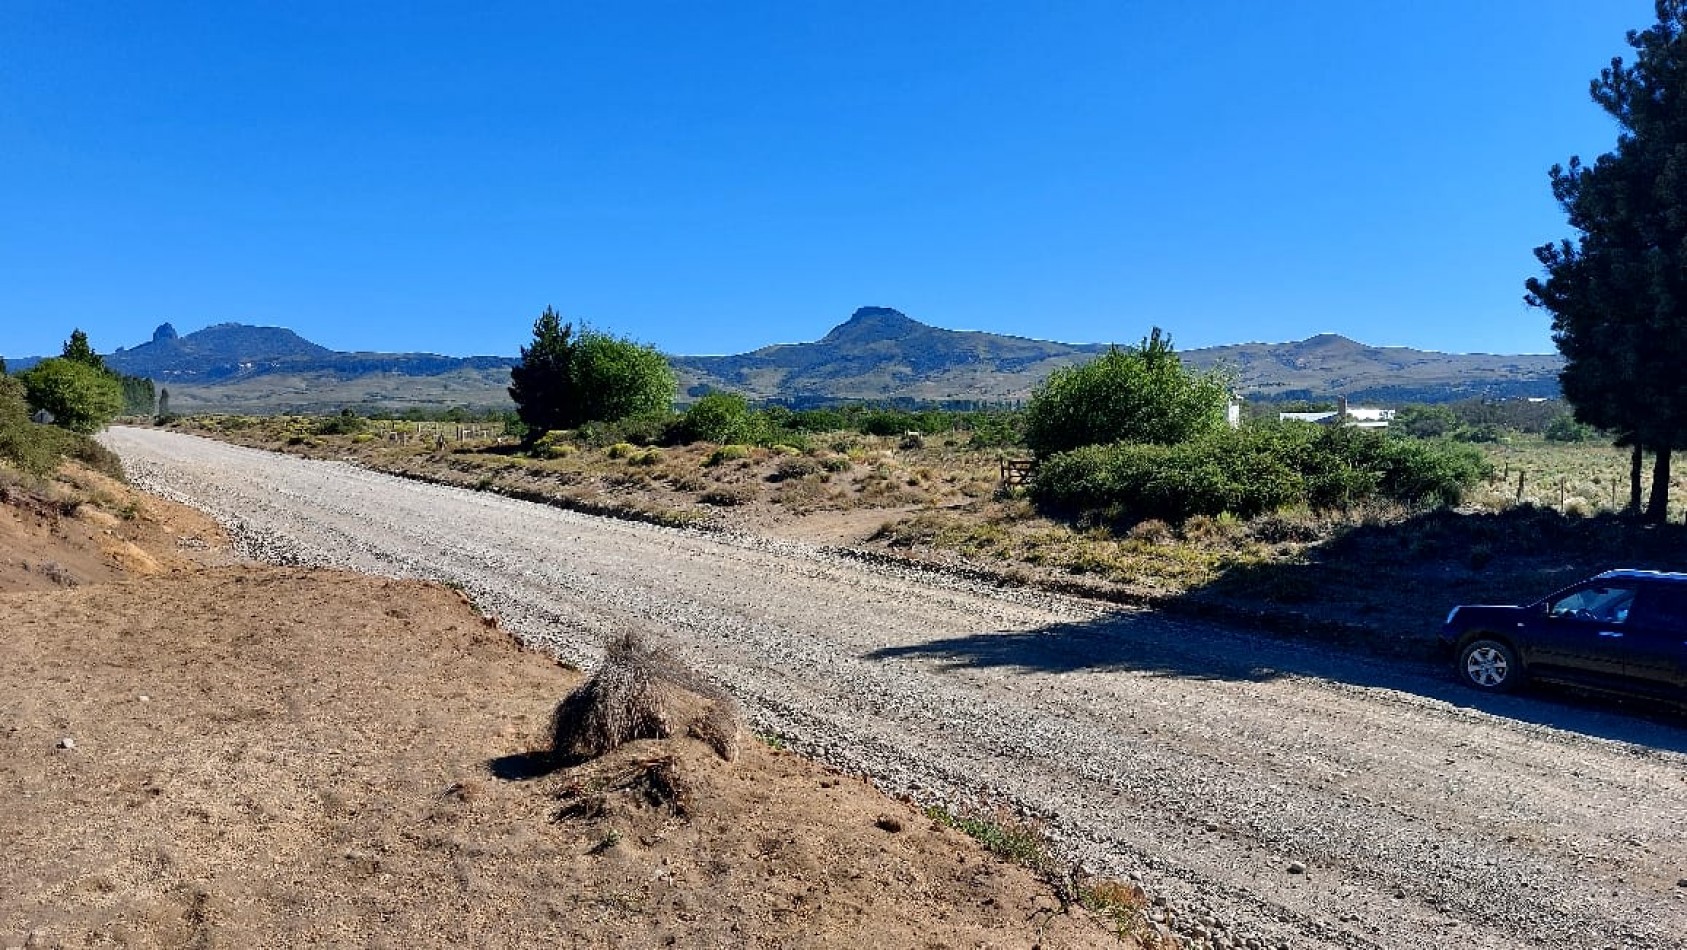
1296,867
67,743
889,823
146,699
1681,883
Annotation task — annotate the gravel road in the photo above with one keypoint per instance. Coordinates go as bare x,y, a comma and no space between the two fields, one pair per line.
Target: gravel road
1272,794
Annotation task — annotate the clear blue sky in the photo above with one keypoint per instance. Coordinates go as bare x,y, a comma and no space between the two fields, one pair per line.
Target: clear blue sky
713,177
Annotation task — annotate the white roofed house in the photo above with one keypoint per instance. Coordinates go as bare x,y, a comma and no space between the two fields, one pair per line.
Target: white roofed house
1358,417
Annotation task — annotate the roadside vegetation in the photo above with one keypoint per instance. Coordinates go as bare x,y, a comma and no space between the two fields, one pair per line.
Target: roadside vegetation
1128,483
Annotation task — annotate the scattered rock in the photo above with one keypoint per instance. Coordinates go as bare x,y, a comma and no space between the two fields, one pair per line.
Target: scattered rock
1297,867
889,823
67,743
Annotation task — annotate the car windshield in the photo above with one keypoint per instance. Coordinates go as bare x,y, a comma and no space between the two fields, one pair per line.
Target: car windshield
1605,604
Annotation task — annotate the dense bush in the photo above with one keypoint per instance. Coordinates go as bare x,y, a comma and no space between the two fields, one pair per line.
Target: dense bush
38,449
1142,394
346,423
900,421
80,397
1565,428
721,417
1254,470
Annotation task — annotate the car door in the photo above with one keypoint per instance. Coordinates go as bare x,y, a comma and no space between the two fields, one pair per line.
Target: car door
1582,632
1655,645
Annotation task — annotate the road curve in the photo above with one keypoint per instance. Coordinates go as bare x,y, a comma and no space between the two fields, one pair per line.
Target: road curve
1204,761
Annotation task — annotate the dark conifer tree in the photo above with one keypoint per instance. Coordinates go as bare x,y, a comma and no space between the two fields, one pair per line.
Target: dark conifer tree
1618,290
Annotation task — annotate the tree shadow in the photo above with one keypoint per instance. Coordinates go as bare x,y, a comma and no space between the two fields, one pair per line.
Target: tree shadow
1362,609
1386,586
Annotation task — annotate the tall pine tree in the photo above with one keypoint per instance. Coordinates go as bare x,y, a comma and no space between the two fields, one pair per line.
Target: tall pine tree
542,384
1618,290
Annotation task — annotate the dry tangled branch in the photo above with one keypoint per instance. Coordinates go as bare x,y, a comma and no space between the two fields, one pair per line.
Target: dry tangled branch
642,692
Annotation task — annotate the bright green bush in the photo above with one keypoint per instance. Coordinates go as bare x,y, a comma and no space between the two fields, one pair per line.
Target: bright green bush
723,418
38,449
80,397
1142,395
727,453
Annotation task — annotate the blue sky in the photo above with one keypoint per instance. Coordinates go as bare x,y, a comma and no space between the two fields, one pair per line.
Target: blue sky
710,178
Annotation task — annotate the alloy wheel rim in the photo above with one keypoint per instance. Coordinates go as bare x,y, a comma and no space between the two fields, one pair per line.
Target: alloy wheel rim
1486,667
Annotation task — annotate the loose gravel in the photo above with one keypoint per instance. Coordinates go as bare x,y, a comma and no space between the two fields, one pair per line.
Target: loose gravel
1269,794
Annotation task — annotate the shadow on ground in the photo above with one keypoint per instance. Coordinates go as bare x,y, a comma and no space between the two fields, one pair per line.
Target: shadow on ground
524,766
1362,609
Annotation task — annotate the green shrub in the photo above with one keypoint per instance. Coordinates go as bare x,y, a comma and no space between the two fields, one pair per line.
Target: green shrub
38,449
1565,428
728,453
721,417
1142,394
1252,471
817,420
346,423
80,397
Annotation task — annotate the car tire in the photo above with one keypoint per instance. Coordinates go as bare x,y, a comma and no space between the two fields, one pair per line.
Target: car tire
1490,666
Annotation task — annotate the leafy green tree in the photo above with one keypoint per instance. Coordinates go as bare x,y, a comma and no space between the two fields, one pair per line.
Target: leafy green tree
1618,291
163,403
1425,422
2,366
80,397
566,379
1142,394
615,378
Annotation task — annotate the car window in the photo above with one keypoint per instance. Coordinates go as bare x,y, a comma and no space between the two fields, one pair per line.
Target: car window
1605,603
1662,607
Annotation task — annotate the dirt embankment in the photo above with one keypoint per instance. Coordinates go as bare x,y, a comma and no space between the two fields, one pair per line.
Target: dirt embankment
257,756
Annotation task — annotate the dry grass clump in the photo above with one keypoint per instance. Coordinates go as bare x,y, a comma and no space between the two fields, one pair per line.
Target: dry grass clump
642,692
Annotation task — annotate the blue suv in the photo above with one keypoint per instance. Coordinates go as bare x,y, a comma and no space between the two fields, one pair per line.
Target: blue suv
1623,631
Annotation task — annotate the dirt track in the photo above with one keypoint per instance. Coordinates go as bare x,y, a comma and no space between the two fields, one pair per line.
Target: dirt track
1198,758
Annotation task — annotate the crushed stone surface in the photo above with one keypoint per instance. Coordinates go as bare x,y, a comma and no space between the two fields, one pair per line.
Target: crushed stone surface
1269,793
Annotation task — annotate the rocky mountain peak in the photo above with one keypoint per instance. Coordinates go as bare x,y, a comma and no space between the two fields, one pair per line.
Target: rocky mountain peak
873,324
164,333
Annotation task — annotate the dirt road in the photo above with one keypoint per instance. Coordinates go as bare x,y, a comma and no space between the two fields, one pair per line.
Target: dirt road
1272,793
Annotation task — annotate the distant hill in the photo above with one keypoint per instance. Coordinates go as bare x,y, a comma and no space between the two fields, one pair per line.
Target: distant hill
880,353
877,354
232,367
1327,365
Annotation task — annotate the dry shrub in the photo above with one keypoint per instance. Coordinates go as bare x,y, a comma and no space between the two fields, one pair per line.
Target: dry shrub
657,781
1152,531
642,692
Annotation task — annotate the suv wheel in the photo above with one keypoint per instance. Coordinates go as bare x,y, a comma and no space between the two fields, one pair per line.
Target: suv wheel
1490,665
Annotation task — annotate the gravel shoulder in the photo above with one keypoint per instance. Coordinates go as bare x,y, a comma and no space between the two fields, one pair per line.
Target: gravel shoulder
1198,759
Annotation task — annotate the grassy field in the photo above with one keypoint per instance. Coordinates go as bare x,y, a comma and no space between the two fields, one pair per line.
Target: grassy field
1585,477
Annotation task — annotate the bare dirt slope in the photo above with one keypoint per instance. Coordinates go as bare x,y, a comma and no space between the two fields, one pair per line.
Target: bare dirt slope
1290,792
83,527
284,757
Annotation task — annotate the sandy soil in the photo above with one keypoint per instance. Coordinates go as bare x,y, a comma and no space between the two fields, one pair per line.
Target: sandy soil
257,756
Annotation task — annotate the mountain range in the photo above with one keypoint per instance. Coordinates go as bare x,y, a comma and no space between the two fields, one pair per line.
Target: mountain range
877,354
